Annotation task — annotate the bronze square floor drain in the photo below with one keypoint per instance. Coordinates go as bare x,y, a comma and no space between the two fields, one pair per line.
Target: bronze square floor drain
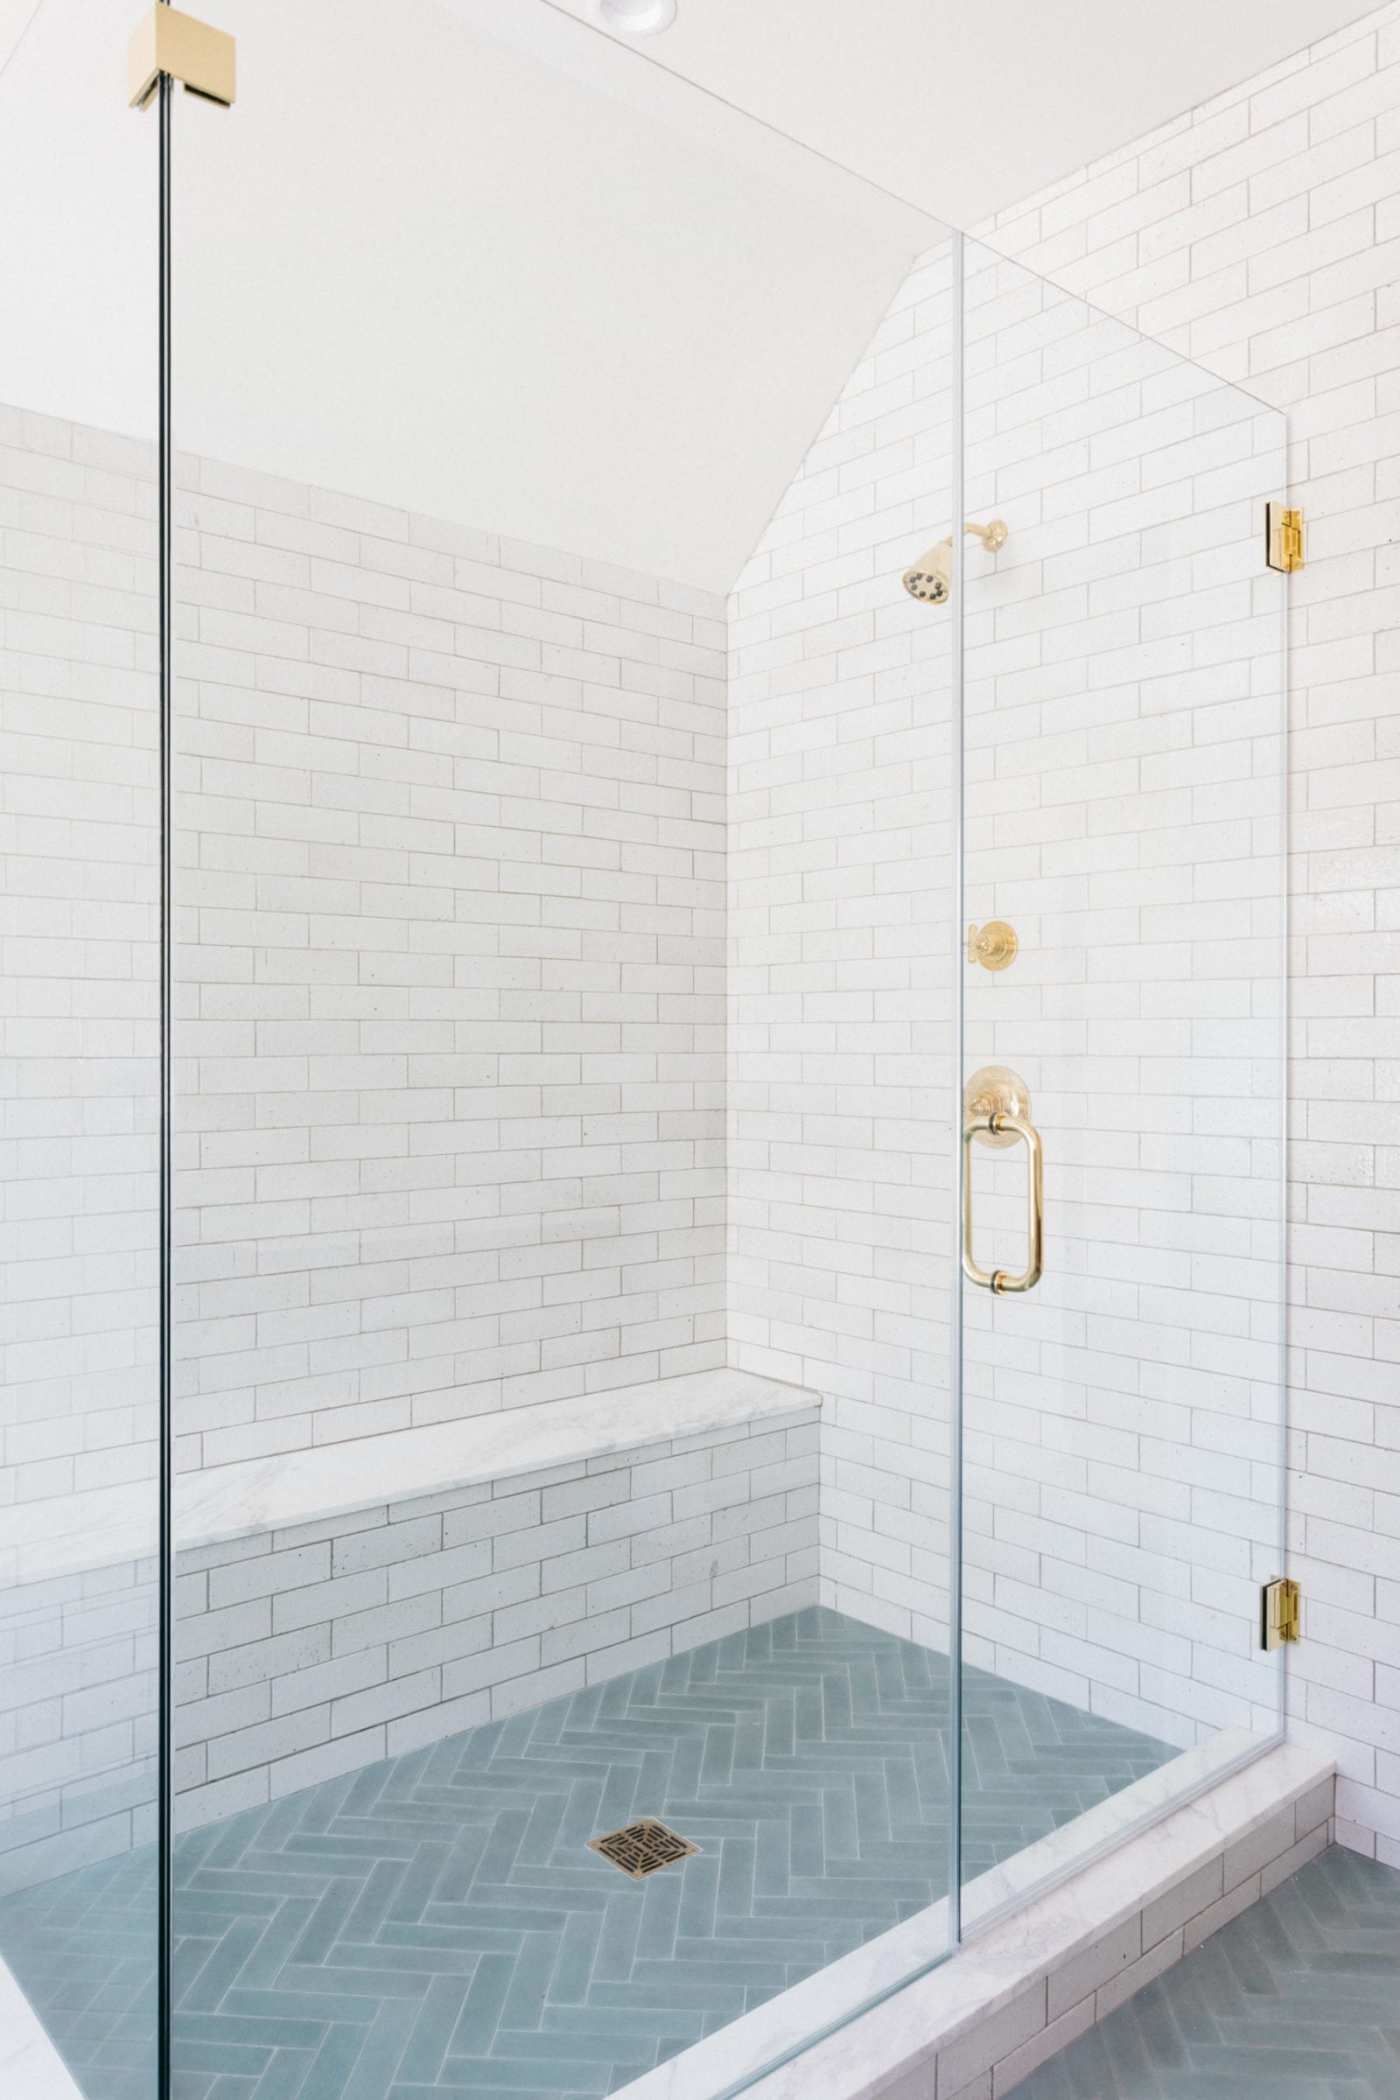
642,1847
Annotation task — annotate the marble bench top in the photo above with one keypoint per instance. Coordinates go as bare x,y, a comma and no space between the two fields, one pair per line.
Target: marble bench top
103,1526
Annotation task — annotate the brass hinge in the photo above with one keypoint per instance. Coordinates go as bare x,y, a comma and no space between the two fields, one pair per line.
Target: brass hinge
200,58
1282,1613
1283,538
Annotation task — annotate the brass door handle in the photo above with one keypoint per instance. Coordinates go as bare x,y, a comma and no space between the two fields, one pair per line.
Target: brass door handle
997,1123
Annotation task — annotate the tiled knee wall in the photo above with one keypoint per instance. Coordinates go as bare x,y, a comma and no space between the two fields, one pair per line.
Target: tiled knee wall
994,2054
312,1651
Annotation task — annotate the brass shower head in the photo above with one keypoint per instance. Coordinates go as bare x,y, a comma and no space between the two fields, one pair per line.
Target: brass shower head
930,578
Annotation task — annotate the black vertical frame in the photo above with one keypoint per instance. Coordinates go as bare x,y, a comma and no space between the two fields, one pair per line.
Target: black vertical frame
956,790
165,590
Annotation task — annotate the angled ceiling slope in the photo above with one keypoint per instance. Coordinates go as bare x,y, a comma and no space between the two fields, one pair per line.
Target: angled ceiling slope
480,259
520,284
965,109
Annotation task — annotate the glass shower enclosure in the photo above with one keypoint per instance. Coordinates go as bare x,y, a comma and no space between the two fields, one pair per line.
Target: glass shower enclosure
1123,715
643,990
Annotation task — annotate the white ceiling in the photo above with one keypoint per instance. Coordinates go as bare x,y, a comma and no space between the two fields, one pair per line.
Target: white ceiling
13,16
477,258
964,106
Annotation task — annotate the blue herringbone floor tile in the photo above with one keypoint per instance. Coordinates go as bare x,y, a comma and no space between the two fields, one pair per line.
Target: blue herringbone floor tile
434,1926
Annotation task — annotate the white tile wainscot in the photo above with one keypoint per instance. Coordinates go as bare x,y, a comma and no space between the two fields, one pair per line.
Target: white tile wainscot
508,1559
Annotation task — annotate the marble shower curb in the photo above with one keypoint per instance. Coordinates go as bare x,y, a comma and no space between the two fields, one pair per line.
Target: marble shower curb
30,2066
1029,1984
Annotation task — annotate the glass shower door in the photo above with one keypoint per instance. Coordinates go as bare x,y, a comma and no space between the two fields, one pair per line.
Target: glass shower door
1122,1058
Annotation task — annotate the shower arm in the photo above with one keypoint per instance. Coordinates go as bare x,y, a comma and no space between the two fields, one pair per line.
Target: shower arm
993,535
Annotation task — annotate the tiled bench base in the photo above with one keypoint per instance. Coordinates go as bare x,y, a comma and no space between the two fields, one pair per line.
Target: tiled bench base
317,1648
309,1652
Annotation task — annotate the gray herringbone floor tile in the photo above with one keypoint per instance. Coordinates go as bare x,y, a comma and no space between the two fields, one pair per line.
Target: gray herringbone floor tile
435,1926
1299,1999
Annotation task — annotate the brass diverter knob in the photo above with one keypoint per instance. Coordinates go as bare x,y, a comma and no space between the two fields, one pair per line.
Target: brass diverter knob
993,945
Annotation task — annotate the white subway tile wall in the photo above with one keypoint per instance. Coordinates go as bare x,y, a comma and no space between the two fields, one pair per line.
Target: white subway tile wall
1260,234
78,985
449,1033
1123,777
451,953
840,941
450,925
1125,800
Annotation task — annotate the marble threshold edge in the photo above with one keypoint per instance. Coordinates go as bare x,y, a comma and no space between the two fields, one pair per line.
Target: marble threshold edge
30,2066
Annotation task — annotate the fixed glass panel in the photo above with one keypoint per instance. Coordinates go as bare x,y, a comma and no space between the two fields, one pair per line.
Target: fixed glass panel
79,1520
564,1048
1124,748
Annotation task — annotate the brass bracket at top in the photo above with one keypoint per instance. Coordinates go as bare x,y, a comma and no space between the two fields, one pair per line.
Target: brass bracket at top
200,58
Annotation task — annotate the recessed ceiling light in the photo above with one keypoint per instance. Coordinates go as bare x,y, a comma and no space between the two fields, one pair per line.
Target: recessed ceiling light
638,17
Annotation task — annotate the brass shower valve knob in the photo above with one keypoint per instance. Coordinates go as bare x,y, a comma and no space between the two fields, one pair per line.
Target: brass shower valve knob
993,945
